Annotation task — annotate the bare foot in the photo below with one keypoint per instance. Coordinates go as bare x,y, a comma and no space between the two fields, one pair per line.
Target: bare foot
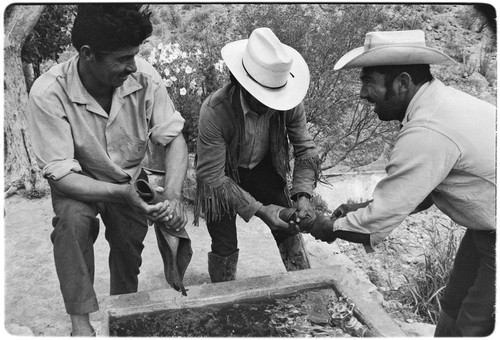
81,325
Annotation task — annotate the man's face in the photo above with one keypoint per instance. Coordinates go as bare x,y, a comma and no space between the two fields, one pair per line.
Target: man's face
253,102
388,105
111,69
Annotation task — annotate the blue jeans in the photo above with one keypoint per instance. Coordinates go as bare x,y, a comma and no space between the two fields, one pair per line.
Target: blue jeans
469,297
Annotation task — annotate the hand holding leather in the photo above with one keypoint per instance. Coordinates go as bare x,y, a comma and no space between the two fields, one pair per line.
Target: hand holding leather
270,214
322,229
305,208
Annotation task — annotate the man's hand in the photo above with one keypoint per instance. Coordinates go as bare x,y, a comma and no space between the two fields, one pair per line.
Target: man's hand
322,229
170,212
305,209
270,215
138,204
173,213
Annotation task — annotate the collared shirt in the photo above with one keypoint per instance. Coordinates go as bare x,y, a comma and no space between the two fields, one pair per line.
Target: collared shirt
71,132
256,144
446,148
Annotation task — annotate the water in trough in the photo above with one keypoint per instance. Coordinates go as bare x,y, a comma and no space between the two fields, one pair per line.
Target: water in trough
302,314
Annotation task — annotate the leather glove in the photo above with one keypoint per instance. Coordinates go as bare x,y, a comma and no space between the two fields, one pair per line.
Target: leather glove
322,229
297,224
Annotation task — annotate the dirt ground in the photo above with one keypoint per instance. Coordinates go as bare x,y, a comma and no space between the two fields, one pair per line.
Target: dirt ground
32,300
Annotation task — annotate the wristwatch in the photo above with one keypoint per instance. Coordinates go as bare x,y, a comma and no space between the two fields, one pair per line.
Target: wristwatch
298,195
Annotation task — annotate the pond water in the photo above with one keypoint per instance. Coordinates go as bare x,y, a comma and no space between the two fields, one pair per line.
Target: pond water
303,314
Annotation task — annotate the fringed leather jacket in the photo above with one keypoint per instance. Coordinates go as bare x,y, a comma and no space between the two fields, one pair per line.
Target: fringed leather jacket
221,131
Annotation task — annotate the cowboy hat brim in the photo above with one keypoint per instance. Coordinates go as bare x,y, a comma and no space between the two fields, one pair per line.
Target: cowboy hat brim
282,99
393,55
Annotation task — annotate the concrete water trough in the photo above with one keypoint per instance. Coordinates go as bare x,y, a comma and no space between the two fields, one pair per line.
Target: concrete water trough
146,313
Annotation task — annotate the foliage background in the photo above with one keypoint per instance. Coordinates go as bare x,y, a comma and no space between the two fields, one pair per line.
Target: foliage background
187,38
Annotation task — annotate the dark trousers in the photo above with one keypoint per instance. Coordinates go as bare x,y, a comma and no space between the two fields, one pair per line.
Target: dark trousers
75,231
469,297
266,186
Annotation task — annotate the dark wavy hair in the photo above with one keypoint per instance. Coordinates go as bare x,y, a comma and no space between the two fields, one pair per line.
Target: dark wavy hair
110,26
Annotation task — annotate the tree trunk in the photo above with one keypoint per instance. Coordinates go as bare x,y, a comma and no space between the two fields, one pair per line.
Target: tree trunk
20,165
29,75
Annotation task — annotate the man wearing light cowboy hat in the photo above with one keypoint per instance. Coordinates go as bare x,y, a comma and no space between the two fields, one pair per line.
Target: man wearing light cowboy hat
242,155
443,155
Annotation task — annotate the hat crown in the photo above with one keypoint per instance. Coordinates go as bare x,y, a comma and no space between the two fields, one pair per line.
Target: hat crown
393,38
393,48
265,59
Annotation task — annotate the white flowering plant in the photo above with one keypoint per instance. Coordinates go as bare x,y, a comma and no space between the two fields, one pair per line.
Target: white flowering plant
190,77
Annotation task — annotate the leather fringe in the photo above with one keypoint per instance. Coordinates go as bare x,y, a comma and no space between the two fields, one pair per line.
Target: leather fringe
214,202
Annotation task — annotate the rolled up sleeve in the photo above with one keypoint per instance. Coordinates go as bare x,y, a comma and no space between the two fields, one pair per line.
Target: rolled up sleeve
51,138
166,123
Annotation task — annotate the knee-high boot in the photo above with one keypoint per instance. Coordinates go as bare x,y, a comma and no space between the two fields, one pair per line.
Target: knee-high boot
293,253
222,268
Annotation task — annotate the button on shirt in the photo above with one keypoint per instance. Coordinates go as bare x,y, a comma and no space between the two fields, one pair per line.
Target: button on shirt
70,131
256,144
446,148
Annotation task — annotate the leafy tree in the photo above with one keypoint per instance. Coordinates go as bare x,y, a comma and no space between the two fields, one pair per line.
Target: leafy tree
199,37
49,38
342,126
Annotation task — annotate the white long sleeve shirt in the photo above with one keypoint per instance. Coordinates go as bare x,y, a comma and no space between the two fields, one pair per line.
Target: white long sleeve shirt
446,148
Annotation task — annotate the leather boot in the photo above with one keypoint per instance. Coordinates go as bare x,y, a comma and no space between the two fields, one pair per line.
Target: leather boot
222,268
293,253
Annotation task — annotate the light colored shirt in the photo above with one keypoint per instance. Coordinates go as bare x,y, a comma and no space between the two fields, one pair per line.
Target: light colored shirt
256,145
446,148
71,132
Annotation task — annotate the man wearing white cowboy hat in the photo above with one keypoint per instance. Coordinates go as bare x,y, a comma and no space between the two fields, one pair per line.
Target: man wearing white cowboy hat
443,155
242,155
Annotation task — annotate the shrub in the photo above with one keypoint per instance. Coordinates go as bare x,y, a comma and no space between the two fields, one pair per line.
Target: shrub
185,74
320,33
438,8
468,17
319,204
413,23
468,65
453,47
485,55
426,287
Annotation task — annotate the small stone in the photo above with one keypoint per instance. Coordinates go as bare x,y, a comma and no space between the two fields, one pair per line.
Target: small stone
377,296
18,330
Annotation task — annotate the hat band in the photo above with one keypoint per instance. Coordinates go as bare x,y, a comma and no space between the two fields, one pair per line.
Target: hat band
255,80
